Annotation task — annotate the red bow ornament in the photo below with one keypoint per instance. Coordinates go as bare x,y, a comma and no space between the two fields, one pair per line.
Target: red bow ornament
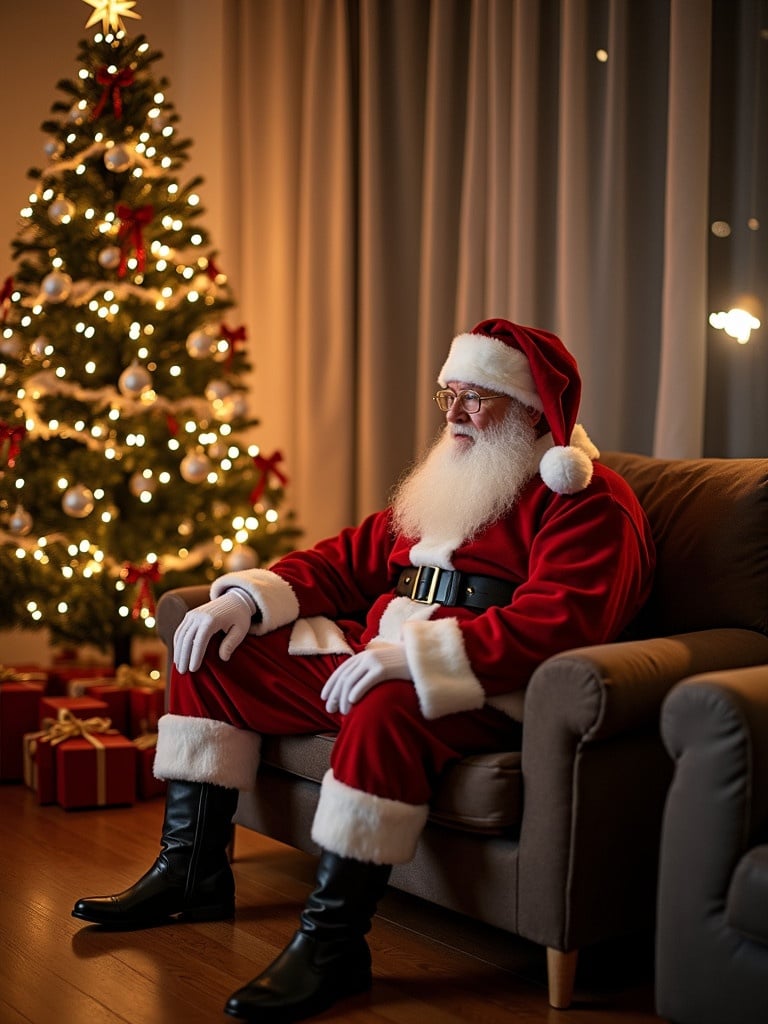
113,82
130,236
267,467
232,337
5,297
145,575
14,436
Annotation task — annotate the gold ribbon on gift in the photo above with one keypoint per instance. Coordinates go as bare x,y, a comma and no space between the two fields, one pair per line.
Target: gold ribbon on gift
66,727
128,677
147,741
10,675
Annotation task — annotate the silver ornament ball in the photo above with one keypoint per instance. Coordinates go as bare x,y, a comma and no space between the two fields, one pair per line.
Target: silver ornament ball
199,345
78,501
56,286
39,347
110,257
20,522
61,211
140,484
134,381
217,389
240,558
118,159
11,345
195,467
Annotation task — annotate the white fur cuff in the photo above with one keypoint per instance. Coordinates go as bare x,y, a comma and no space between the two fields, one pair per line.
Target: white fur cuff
274,597
203,750
440,669
374,829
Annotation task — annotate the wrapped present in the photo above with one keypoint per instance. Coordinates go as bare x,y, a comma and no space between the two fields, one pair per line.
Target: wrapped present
82,707
40,764
62,674
96,770
146,700
147,786
20,694
81,763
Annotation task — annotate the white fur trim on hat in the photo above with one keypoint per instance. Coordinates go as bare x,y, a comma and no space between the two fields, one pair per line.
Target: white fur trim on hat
204,750
490,363
274,598
440,669
374,829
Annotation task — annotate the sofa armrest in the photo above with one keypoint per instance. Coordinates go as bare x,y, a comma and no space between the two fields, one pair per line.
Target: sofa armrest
715,726
171,609
595,775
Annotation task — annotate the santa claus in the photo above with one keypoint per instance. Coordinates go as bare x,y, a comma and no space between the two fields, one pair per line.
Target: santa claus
411,636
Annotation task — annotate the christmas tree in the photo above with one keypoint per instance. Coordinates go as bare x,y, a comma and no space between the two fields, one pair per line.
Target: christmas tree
123,406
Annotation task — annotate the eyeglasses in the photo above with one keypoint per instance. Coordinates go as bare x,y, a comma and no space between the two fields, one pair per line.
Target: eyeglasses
469,401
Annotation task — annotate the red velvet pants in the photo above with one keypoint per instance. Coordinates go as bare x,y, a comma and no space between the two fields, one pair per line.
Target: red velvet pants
384,747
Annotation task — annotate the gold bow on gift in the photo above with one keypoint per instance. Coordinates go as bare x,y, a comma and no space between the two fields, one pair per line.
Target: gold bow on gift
128,677
10,675
66,727
147,741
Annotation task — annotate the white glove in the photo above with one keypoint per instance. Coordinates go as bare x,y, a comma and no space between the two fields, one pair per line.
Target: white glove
360,673
230,614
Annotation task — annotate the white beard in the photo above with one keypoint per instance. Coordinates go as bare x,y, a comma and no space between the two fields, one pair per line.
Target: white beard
455,491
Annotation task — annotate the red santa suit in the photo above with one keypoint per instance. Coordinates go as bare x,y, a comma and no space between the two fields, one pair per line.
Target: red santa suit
577,568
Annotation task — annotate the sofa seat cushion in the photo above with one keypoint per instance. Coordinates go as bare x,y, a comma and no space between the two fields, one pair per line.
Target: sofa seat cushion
481,793
748,895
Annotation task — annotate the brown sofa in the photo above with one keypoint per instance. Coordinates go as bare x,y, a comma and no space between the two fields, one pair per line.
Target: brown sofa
712,926
559,843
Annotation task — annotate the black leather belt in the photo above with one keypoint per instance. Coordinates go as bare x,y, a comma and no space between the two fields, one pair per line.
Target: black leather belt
429,584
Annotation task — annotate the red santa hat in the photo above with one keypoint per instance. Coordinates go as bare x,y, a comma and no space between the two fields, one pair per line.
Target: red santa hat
534,367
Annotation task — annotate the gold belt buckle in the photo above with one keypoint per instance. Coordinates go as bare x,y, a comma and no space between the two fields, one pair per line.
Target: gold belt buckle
430,598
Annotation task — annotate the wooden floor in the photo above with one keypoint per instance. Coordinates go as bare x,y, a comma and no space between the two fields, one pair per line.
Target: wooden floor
429,966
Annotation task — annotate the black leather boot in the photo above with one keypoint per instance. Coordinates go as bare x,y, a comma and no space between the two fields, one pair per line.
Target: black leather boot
191,878
328,958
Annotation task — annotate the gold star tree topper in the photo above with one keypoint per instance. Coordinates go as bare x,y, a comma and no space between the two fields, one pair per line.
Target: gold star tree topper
111,13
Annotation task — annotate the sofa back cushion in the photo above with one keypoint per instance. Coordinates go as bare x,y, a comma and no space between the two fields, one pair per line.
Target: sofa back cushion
709,519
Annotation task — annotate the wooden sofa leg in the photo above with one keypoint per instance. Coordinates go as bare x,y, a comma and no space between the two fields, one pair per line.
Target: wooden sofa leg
561,976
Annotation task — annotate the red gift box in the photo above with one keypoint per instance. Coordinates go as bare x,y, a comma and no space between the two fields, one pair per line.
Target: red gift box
116,699
146,706
81,707
62,675
41,747
19,701
96,771
147,786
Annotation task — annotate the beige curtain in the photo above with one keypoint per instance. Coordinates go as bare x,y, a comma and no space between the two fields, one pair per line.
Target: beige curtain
395,170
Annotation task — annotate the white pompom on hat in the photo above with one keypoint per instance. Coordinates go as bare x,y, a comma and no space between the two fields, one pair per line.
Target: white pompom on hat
534,367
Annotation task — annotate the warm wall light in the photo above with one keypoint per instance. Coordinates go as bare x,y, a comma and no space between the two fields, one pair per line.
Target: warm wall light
740,320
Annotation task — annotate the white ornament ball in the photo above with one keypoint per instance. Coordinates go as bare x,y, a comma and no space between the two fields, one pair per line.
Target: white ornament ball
217,450
134,381
140,484
39,347
61,211
53,149
20,522
110,256
11,345
199,345
78,501
56,286
237,405
195,467
240,558
216,390
118,159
